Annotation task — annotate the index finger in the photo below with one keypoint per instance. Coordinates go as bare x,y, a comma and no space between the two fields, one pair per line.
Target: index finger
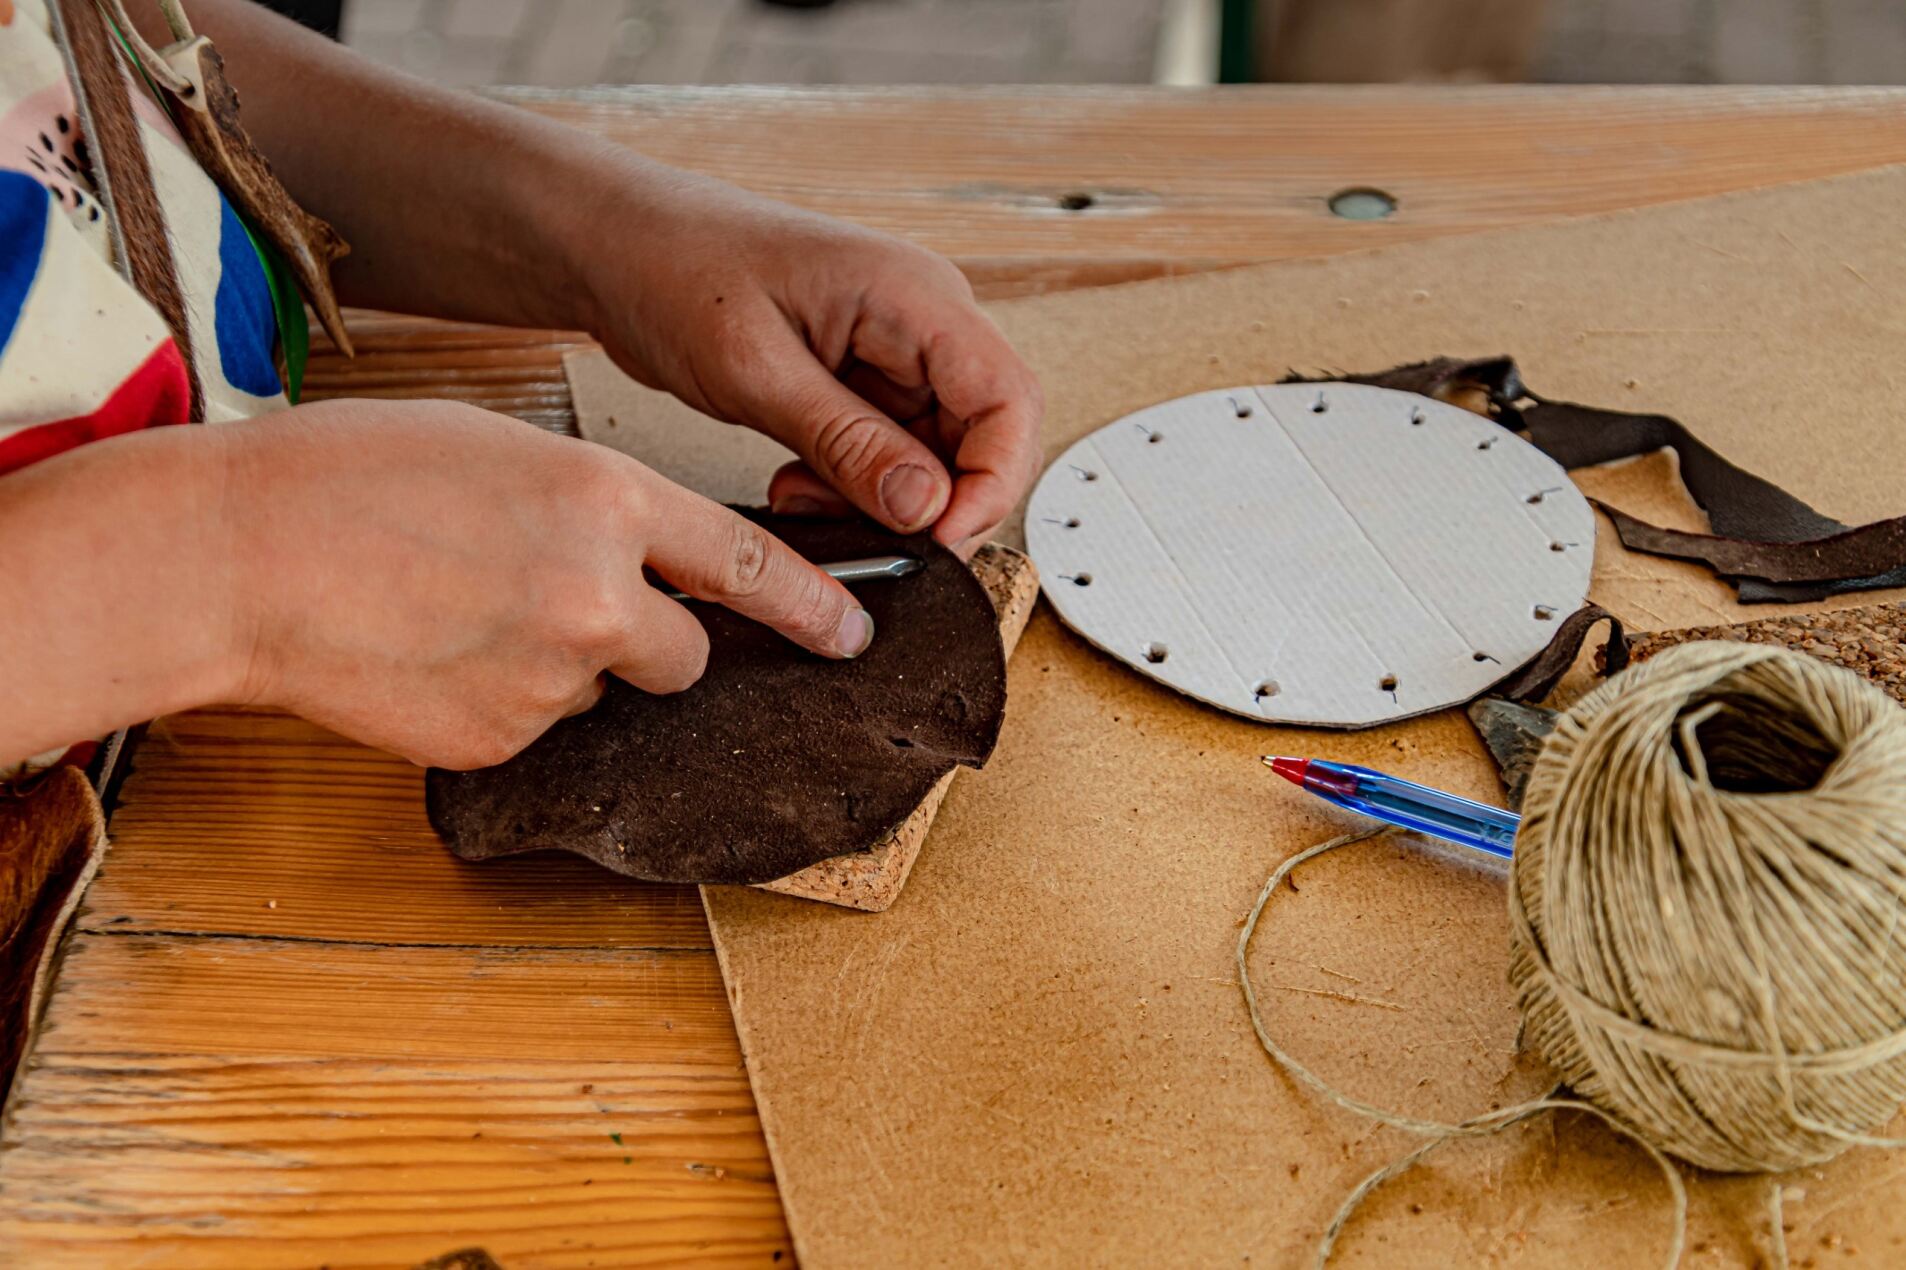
713,554
987,390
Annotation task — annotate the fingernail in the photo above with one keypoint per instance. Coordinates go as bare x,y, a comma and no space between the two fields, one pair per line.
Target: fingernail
910,495
798,505
855,634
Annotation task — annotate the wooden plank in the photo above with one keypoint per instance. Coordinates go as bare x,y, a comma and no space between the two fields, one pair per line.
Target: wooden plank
1177,181
256,823
257,1103
1198,179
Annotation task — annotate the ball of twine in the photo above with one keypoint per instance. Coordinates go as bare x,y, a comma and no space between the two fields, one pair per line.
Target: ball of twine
1705,905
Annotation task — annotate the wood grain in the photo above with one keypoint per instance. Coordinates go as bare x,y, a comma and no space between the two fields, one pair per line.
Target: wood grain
1178,181
246,1102
391,1062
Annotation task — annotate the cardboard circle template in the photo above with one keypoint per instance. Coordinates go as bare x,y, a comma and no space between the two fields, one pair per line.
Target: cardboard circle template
1330,554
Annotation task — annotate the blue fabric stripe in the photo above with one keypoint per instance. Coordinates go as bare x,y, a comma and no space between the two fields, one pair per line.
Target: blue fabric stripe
246,323
24,207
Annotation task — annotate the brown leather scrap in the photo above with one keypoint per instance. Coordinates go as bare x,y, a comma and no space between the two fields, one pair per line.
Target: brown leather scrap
52,837
1772,546
1538,678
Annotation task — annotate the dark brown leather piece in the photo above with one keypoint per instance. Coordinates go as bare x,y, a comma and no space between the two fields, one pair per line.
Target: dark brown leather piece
778,758
1772,546
51,834
1538,678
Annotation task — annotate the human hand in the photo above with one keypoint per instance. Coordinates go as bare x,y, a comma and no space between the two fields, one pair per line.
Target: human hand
863,354
445,583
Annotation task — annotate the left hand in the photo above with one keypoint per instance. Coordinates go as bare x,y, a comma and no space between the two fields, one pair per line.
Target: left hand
862,353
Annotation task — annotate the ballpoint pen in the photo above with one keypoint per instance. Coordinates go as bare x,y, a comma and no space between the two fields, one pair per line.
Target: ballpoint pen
857,570
1405,803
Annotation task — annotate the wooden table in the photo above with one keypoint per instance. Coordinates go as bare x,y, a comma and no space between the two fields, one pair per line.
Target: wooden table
291,1030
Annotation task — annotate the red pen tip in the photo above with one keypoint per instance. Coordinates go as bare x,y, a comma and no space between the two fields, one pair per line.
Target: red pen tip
1291,769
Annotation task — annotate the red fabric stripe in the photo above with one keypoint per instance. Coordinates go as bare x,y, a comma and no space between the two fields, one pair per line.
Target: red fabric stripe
154,395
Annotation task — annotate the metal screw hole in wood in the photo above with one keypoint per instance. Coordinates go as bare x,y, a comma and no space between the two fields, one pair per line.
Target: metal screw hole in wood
282,1038
1362,203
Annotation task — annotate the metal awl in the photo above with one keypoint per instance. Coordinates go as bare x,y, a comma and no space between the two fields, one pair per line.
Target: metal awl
868,570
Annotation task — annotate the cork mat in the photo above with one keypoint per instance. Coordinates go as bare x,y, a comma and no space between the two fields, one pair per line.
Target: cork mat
1869,641
1038,1055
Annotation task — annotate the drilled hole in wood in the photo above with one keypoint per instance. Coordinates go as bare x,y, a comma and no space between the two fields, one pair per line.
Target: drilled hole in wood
1075,202
1155,653
1387,683
1265,688
1543,613
1362,203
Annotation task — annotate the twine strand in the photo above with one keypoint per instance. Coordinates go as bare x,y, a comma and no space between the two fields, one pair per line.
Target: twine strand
1704,921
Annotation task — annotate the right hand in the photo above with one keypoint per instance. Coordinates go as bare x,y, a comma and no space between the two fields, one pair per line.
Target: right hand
445,583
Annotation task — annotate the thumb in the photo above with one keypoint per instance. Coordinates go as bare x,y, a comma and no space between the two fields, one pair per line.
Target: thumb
873,462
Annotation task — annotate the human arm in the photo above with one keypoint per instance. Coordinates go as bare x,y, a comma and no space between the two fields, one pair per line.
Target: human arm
864,354
425,577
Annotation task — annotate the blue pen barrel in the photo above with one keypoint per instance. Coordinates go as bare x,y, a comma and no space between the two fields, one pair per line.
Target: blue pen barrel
1425,810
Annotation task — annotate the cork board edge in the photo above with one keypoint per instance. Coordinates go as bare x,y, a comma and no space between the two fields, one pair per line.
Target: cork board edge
872,880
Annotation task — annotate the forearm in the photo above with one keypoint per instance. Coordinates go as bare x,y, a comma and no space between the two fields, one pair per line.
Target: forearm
115,603
454,206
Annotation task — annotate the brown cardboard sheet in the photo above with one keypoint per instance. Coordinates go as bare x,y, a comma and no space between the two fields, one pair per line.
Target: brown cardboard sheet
1039,1055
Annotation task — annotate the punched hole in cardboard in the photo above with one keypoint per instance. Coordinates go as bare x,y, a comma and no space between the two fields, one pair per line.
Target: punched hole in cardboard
1080,579
1543,613
1388,684
1416,416
1156,653
1239,408
1320,405
1086,473
1264,689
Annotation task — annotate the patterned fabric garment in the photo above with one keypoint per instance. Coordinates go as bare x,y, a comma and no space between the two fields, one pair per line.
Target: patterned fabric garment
82,354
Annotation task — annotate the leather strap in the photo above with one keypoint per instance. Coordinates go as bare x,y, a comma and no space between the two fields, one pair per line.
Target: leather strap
121,171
